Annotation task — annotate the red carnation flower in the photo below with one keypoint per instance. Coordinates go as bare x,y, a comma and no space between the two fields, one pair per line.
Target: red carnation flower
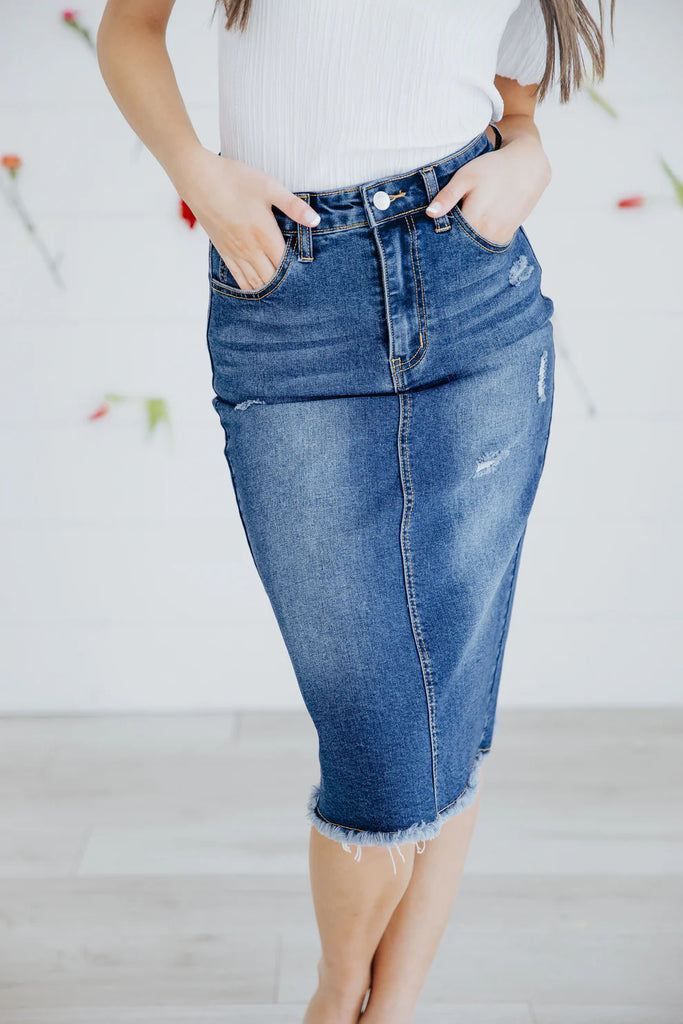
630,201
101,410
187,214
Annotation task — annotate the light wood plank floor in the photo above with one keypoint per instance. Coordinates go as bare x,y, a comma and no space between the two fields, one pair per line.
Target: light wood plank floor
153,870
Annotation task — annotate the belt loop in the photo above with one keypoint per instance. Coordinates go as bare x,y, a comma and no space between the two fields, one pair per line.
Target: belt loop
305,235
432,185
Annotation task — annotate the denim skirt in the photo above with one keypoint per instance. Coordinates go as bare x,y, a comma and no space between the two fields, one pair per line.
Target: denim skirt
386,401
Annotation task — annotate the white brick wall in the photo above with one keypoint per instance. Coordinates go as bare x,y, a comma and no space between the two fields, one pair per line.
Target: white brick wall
126,580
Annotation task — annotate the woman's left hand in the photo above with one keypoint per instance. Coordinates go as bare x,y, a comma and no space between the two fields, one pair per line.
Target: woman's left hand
499,189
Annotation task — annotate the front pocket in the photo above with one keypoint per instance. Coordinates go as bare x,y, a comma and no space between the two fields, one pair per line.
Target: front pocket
481,240
222,280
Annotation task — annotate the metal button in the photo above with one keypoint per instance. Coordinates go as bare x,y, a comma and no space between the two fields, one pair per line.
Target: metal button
381,200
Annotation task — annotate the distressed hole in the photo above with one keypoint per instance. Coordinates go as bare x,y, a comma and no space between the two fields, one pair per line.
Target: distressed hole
250,401
490,461
542,371
520,270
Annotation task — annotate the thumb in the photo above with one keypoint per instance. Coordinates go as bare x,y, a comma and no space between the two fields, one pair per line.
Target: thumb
452,192
294,206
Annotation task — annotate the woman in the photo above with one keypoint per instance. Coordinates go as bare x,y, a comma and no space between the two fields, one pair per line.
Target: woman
383,369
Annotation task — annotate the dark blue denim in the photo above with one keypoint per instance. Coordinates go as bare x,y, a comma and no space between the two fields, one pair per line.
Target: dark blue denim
386,401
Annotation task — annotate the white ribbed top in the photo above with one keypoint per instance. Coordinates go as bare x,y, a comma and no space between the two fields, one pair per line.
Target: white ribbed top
327,93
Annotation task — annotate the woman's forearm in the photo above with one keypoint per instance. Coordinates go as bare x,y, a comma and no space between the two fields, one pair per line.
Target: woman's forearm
497,191
516,126
519,102
136,67
231,200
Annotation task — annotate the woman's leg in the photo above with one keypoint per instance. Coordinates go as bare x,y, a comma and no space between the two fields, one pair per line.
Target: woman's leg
380,928
354,901
411,939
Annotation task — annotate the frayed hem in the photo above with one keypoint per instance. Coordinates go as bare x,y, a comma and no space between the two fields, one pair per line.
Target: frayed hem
417,833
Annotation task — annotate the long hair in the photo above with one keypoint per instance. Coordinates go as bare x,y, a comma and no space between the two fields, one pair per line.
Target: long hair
568,23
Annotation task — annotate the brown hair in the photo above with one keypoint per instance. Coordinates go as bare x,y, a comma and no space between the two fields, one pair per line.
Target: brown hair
567,23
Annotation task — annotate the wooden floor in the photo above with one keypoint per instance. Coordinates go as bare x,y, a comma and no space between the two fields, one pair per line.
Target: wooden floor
153,870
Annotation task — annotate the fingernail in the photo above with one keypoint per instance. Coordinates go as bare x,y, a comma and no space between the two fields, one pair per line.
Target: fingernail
434,208
312,218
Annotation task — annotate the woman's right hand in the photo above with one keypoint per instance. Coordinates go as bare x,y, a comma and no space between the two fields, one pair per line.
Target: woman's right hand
232,201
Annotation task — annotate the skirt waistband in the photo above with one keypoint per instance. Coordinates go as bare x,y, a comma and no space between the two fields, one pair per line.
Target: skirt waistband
375,202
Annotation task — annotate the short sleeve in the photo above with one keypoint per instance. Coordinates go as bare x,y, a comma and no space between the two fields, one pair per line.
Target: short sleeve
523,48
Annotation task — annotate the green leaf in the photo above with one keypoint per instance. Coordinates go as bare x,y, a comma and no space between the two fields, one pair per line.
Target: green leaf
111,397
600,100
675,180
157,412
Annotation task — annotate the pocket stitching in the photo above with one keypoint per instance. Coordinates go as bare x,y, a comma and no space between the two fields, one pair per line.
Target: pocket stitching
258,293
484,243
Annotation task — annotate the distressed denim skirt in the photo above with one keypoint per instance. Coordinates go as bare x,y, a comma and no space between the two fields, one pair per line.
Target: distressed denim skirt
386,402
